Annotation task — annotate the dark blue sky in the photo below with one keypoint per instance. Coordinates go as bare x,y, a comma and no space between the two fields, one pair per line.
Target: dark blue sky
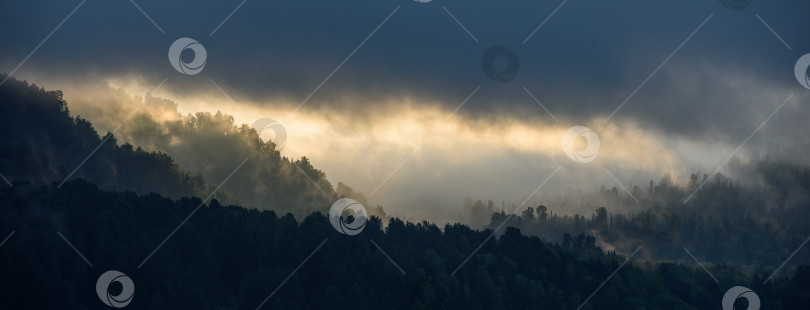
587,58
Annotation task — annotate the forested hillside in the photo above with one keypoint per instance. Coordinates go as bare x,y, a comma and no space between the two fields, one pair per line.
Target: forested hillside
41,142
138,212
753,225
228,257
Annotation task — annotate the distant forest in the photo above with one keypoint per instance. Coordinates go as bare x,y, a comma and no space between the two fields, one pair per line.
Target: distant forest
118,207
725,222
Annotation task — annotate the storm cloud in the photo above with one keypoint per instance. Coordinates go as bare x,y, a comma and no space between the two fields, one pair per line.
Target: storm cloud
688,81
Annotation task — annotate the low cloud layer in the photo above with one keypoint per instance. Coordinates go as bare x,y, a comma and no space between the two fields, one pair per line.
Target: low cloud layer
394,99
418,160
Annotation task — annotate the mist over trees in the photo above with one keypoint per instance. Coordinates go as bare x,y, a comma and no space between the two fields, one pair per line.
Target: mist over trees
42,142
757,225
243,243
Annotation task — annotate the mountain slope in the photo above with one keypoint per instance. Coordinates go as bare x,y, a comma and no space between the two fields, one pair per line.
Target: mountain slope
41,142
227,257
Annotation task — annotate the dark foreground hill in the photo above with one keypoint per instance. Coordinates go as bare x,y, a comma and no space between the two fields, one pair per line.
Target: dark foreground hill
228,257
